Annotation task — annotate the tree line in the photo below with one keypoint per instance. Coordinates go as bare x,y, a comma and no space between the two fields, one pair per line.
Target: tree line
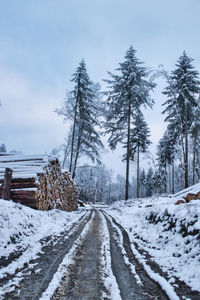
117,113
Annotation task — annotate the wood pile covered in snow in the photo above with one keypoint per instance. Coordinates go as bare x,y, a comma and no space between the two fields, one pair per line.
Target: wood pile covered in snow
189,194
38,182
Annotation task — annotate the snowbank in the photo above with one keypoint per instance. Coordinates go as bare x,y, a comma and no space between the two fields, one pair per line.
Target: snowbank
169,233
22,227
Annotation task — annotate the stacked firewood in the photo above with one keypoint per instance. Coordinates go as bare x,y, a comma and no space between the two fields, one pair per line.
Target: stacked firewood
47,186
56,189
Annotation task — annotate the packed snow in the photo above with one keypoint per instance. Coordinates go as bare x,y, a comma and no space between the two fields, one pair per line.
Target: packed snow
169,233
23,166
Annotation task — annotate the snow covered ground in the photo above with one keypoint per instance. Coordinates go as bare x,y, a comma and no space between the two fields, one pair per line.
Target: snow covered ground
163,232
169,233
21,226
23,230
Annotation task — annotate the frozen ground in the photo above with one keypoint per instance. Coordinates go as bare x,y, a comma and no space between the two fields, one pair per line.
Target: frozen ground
169,234
140,249
24,233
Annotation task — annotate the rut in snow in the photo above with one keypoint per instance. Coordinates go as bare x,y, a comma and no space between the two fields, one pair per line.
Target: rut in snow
83,280
34,284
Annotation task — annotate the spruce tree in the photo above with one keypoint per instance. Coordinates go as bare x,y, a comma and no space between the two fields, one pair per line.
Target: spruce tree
127,92
162,158
195,144
149,188
88,139
81,107
182,98
139,142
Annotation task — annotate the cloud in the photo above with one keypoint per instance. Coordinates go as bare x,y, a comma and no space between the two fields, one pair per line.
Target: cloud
42,42
27,118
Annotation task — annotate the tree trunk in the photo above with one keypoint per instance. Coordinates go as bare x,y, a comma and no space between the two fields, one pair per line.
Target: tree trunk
193,162
165,181
74,126
138,172
173,177
77,155
170,187
186,149
128,150
73,136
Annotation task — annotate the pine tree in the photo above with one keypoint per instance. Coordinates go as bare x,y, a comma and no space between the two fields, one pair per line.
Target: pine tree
139,142
162,158
126,93
182,98
149,182
195,143
88,139
81,107
166,151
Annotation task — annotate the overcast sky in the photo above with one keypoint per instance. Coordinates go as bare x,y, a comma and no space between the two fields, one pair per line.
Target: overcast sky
43,41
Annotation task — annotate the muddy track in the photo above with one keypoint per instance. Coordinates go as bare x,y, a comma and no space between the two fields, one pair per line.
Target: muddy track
180,287
128,285
82,280
35,283
6,260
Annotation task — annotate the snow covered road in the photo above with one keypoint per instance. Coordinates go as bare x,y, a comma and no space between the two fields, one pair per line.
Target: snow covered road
92,256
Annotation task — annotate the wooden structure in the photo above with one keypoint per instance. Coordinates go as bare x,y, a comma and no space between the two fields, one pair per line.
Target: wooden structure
36,181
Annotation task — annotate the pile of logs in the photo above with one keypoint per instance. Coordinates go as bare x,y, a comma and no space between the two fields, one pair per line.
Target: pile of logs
37,182
189,197
56,189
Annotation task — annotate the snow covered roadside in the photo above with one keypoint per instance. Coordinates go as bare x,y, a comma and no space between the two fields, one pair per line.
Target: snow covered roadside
168,232
22,229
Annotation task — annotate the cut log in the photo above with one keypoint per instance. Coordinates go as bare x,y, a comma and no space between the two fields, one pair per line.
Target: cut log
51,188
190,197
23,194
179,202
23,185
21,180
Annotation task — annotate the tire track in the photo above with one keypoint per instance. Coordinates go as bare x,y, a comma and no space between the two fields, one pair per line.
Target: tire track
127,282
82,280
181,289
34,283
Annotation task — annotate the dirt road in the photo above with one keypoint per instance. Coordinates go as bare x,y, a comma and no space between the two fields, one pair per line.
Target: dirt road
102,265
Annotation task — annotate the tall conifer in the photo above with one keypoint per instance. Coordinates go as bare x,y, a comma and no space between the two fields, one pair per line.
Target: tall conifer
182,95
127,92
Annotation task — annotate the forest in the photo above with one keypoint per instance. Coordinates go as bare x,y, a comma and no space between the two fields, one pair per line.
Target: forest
118,113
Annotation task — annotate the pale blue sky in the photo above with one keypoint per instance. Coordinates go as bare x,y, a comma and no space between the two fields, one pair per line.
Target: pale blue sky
42,42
